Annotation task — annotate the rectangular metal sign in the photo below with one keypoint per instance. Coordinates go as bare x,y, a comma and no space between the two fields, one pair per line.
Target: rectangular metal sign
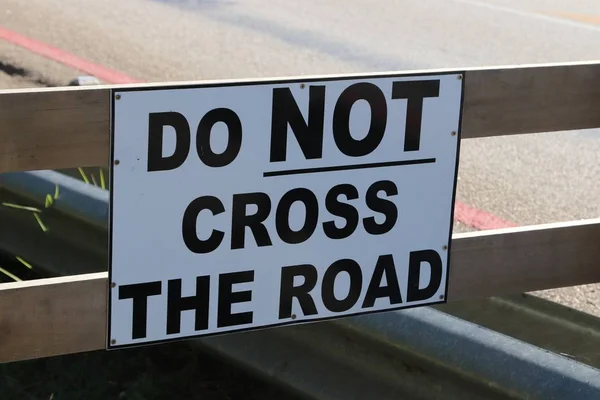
246,205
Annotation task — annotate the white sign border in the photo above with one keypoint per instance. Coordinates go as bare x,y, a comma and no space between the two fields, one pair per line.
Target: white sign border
114,92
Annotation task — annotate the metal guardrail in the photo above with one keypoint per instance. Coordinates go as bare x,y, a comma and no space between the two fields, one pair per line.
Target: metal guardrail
76,242
543,323
417,354
78,200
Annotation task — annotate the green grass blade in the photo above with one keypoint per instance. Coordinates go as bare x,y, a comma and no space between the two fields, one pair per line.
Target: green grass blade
40,223
14,277
83,175
93,180
26,208
55,192
102,183
25,263
49,201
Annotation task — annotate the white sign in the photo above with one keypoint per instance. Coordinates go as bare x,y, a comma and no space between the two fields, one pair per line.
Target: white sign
246,205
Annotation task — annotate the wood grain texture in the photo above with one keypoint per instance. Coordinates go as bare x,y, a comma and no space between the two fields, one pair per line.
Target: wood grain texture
69,127
52,316
518,260
531,100
68,315
51,129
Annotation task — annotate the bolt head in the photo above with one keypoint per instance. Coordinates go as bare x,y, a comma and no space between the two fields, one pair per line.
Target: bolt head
84,80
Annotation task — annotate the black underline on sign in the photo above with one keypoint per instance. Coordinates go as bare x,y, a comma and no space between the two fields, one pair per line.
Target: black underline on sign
348,167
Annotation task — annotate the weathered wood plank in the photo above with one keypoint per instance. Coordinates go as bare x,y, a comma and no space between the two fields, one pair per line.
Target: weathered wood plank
53,316
531,100
53,128
518,260
69,127
68,315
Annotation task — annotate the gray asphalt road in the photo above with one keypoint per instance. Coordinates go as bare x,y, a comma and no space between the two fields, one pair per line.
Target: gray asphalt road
529,179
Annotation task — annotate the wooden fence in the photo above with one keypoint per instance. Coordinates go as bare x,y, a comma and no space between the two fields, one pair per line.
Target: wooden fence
69,127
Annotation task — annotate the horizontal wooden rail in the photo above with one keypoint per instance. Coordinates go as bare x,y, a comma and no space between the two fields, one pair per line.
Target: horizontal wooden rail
68,315
69,127
518,260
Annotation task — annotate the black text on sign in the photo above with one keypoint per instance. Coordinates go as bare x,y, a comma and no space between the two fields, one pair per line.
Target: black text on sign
241,206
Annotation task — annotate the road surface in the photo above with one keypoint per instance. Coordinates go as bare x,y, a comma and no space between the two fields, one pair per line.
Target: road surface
526,179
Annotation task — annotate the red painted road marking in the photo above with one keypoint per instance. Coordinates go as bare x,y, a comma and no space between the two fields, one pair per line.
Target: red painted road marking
479,219
100,72
463,213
